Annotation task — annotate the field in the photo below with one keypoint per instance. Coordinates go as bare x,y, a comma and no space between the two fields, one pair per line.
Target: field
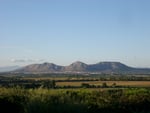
74,94
109,83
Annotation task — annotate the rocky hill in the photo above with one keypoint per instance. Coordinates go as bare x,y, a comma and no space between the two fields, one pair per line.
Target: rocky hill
80,67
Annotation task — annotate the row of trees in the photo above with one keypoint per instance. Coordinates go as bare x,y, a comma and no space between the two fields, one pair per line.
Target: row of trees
104,85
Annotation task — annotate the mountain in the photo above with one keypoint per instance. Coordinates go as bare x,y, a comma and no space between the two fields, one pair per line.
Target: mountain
76,67
45,67
8,68
80,67
108,67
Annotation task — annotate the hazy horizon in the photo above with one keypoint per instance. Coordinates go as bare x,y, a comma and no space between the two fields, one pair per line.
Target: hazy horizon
66,31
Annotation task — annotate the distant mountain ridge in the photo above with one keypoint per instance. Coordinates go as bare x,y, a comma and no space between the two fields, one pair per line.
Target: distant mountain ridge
8,68
76,66
45,67
80,67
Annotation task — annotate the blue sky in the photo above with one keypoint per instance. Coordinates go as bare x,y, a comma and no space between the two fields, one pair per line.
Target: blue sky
64,31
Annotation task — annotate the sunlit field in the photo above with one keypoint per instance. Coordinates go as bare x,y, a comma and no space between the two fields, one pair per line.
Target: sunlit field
109,83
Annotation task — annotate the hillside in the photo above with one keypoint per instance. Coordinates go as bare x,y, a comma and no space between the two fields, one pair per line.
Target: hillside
45,67
76,67
80,67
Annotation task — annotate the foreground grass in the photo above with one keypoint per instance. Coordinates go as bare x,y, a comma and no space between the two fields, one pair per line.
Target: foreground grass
20,100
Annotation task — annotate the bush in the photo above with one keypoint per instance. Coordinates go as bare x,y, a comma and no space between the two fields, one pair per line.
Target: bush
19,100
12,100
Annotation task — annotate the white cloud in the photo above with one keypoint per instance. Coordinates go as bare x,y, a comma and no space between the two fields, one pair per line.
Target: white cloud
26,60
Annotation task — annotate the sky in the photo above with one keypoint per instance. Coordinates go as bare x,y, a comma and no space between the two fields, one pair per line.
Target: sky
65,31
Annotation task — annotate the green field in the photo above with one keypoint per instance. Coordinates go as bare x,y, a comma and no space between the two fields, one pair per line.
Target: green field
74,94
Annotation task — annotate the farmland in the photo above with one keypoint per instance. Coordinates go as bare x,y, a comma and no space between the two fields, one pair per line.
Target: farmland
109,83
81,94
76,81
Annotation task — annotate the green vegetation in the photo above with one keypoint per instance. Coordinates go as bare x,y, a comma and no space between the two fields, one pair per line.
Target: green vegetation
20,100
74,94
73,81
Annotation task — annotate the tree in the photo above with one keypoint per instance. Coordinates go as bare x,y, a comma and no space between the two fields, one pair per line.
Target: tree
49,84
114,85
104,85
85,85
